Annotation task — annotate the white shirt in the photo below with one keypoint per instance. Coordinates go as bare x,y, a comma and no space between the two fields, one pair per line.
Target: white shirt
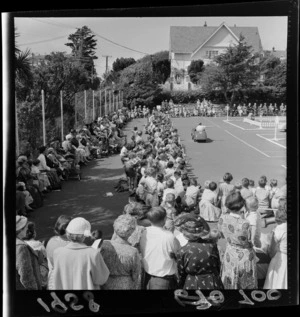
42,165
255,222
156,244
169,191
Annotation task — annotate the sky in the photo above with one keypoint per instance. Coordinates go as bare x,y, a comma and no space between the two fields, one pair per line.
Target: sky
143,34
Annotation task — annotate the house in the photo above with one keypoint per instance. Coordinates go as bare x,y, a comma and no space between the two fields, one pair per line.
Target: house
205,42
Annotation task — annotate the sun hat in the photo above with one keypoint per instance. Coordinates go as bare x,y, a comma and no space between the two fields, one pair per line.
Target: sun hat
79,225
193,229
124,226
21,159
21,222
182,218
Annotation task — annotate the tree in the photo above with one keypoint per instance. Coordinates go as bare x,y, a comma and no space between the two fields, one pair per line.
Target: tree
195,69
161,66
234,71
23,73
121,63
83,47
139,84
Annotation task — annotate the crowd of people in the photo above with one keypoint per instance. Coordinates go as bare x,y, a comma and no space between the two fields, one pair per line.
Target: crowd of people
206,108
40,173
168,234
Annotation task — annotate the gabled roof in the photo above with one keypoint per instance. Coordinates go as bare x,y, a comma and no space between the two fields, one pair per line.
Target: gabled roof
186,39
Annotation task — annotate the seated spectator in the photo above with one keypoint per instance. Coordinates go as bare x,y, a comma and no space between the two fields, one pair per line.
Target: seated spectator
209,202
245,191
192,192
20,201
169,205
122,259
263,196
158,248
169,189
28,276
76,265
252,186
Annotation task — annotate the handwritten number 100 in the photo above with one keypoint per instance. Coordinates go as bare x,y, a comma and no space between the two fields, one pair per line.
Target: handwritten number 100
60,307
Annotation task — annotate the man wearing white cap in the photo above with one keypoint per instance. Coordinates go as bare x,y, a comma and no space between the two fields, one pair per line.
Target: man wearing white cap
78,266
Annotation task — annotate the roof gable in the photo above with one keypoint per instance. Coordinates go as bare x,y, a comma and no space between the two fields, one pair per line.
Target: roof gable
185,39
223,25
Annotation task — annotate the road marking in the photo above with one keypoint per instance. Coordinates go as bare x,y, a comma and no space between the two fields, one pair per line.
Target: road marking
212,122
254,129
283,166
271,141
253,147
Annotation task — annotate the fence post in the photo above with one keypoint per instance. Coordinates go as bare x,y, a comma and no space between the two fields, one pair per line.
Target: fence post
62,116
43,115
75,111
85,107
100,112
17,127
93,105
105,107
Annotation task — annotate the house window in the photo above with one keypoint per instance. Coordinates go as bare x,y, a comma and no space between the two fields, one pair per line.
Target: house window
211,54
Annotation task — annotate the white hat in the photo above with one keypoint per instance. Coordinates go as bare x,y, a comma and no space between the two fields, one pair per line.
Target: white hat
21,222
69,136
79,225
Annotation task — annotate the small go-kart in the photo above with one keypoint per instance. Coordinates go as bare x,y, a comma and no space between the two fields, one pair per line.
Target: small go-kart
199,136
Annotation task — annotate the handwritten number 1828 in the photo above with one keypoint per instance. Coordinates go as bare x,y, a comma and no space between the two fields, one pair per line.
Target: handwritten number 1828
59,307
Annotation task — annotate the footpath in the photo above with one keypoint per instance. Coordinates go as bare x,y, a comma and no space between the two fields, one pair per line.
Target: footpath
87,198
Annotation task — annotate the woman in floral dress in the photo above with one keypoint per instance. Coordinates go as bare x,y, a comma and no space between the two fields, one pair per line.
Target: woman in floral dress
122,259
239,262
198,262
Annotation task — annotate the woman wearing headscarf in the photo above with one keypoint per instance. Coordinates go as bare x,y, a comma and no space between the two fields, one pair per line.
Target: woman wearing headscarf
28,276
239,263
198,262
122,259
76,265
24,176
51,172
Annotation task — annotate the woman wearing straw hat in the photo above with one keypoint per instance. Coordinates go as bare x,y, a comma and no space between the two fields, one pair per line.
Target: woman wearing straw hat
121,258
28,276
78,266
198,262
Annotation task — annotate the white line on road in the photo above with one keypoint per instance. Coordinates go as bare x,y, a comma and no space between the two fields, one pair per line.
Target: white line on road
234,124
253,147
212,122
283,166
271,141
253,129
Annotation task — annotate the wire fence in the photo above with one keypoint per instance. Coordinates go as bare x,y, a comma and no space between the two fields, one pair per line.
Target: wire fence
34,127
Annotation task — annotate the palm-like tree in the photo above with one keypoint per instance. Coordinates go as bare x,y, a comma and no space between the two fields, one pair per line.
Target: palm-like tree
23,70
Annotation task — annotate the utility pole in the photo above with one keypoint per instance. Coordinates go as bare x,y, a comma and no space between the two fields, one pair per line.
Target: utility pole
106,67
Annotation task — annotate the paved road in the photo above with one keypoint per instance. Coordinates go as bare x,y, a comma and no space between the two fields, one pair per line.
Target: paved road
85,198
209,160
232,149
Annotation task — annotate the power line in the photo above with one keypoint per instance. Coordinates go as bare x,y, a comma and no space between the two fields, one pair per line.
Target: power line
104,38
43,41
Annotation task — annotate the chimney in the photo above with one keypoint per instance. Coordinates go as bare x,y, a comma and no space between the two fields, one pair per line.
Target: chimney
205,24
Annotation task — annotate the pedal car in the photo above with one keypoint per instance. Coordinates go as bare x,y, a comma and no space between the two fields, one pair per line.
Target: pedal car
199,134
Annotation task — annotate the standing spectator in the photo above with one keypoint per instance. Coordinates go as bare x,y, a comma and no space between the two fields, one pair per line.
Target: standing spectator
224,189
254,218
239,263
263,196
40,250
122,259
158,248
76,265
252,186
274,190
28,276
277,271
192,192
59,240
150,187
169,206
198,262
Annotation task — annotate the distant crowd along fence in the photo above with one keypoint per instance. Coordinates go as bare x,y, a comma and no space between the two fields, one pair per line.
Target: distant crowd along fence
89,105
